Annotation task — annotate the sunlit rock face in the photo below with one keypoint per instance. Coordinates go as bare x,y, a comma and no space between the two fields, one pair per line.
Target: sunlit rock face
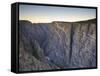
57,45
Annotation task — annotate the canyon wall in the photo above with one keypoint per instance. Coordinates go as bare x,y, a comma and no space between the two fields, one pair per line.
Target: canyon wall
57,45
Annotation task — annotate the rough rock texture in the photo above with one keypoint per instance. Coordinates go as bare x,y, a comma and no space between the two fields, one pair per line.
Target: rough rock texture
57,45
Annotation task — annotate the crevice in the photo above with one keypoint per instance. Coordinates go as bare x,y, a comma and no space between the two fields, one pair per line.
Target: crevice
71,42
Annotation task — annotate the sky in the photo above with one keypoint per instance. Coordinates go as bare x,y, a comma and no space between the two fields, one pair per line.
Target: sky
46,14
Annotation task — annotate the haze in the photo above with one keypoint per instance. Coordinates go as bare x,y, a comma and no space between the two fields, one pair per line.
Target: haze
45,14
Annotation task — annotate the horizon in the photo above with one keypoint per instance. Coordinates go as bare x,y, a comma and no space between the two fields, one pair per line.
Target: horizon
48,14
57,21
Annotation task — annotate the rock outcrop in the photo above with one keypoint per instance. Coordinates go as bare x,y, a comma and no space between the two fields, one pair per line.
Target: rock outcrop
57,45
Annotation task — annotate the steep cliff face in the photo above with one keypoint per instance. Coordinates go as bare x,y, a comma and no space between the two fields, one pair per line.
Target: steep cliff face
57,45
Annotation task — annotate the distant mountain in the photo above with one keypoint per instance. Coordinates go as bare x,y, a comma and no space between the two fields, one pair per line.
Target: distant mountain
57,45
